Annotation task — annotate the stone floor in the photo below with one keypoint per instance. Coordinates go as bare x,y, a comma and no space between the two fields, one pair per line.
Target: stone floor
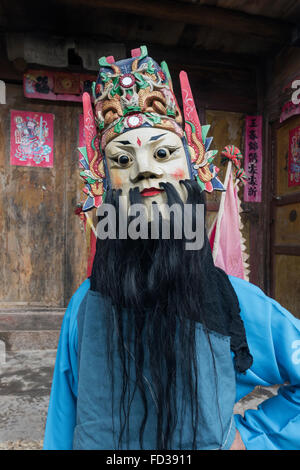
25,382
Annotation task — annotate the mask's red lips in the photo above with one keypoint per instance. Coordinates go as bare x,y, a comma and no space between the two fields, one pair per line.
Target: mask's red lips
151,191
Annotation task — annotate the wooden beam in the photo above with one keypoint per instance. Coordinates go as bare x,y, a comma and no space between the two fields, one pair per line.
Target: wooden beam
220,18
286,250
194,58
287,199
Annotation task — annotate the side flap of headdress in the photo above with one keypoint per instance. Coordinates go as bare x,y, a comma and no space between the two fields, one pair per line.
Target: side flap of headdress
203,169
92,173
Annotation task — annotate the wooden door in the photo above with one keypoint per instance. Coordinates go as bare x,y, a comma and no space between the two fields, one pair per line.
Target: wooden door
42,244
285,236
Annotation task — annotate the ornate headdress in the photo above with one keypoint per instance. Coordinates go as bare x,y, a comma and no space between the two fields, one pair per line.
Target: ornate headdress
137,92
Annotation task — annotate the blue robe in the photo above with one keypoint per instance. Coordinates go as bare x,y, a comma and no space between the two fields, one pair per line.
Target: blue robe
273,336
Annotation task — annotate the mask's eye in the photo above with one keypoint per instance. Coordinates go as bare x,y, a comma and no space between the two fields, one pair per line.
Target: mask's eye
162,154
124,160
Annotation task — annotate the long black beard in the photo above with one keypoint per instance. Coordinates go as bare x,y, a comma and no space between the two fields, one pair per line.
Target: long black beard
166,289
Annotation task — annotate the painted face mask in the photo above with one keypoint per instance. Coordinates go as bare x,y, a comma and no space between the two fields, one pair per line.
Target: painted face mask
135,136
147,159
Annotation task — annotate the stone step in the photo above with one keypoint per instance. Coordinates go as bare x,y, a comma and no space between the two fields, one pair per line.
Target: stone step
30,330
29,340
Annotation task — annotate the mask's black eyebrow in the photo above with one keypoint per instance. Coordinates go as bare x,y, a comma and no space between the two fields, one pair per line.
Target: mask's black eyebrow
124,142
155,137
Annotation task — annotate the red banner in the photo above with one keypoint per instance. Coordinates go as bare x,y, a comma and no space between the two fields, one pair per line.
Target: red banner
253,159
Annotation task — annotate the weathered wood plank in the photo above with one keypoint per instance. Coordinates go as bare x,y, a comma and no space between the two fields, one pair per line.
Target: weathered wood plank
31,321
287,230
287,282
40,235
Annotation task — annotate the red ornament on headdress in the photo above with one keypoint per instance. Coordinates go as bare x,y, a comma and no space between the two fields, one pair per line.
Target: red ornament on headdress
234,154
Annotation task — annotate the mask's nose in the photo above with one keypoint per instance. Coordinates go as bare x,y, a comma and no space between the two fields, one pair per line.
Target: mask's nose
145,167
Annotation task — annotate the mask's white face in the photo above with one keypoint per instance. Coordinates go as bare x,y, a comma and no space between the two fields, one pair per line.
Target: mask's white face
145,157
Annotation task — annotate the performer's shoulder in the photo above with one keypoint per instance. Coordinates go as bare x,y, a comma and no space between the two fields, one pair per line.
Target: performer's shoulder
254,301
80,293
71,314
77,298
241,286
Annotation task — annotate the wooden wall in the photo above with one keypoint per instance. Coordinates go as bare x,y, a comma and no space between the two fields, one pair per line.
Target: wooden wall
284,201
42,256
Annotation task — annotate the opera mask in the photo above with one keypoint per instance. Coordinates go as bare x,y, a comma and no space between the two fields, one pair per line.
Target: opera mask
135,136
146,159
